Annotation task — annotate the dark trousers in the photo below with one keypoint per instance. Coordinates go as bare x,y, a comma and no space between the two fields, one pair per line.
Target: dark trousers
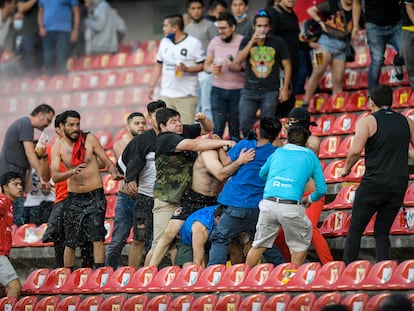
367,203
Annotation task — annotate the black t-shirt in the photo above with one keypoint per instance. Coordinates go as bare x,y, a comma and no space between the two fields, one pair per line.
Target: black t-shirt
334,20
30,26
263,63
383,12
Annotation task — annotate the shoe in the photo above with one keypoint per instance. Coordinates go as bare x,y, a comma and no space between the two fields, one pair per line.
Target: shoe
398,63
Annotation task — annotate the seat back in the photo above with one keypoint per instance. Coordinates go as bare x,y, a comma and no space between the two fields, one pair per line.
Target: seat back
164,278
357,171
47,303
228,302
318,103
25,303
7,303
90,303
344,124
256,277
210,277
358,101
344,198
304,276
136,303
119,280
277,302
354,273
54,281
329,146
76,280
204,303
333,171
401,97
374,302
303,302
159,302
233,277
327,299
409,196
68,303
97,280
181,303
252,302
142,278
403,277
34,281
356,301
335,224
337,102
327,276
113,303
187,277
379,275
279,277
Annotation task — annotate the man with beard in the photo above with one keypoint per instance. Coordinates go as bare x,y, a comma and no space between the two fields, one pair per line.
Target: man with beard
84,214
228,78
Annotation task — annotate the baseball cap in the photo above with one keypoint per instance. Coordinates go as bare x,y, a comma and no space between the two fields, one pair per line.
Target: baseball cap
302,115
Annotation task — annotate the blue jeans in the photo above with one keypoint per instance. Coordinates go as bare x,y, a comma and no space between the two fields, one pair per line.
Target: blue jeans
56,49
124,216
378,37
250,101
407,40
225,106
234,221
304,72
205,81
20,213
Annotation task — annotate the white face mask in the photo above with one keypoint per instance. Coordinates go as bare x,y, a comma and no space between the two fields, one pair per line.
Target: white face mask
18,24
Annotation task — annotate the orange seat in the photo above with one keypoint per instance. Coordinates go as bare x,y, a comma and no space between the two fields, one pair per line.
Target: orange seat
110,185
352,79
96,280
34,281
356,301
318,103
209,278
403,276
110,206
337,102
277,302
280,275
353,275
204,303
182,302
136,303
326,299
90,303
335,224
333,171
7,303
379,275
256,278
304,276
54,281
24,304
232,277
329,146
113,303
141,279
252,302
163,279
357,171
109,226
75,281
344,198
160,302
374,302
187,277
228,302
401,97
327,276
357,101
118,280
47,303
344,124
68,303
118,60
303,301
323,125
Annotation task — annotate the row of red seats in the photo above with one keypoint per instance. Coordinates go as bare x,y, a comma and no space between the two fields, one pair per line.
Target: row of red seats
359,275
209,302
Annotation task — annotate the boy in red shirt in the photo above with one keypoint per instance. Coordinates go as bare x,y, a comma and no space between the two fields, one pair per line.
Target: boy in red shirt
12,188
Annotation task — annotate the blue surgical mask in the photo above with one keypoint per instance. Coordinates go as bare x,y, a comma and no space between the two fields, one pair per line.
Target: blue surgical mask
240,17
171,36
18,24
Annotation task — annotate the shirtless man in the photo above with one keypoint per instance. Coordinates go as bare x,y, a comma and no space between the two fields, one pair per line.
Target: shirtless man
207,181
84,214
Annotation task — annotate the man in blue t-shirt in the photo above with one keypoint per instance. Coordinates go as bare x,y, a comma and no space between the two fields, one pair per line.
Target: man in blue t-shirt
243,192
286,173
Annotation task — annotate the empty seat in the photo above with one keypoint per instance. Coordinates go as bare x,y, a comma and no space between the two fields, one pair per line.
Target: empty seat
54,281
141,279
409,196
344,198
136,58
68,303
333,171
344,124
323,125
403,222
232,277
326,299
388,77
335,224
329,147
318,103
327,276
209,278
354,273
357,171
325,84
337,101
374,302
74,83
7,303
47,303
352,79
304,276
277,302
96,280
187,277
357,101
110,185
355,301
159,302
110,206
75,281
362,57
90,303
257,276
24,304
163,279
136,303
252,302
343,149
181,303
118,60
379,275
228,302
34,281
113,303
279,277
401,97
369,229
118,280
29,235
204,303
303,301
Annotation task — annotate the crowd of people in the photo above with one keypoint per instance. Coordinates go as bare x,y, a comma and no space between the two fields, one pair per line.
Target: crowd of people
209,200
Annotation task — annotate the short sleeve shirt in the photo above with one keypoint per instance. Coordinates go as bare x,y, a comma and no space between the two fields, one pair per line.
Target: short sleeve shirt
335,21
6,223
57,14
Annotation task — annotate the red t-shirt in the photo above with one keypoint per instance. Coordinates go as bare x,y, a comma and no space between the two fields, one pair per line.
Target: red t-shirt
301,6
61,188
6,223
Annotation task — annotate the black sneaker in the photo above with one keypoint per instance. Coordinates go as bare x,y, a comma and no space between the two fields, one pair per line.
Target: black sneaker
399,66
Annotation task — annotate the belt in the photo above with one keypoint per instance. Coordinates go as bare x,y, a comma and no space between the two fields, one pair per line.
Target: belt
278,200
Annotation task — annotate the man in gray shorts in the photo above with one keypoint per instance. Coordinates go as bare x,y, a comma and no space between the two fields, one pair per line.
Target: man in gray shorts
286,173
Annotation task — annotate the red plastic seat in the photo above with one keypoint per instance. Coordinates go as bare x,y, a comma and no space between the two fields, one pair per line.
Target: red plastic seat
47,303
335,224
369,229
389,55
409,196
318,103
232,277
118,60
327,276
38,85
403,222
136,303
388,77
325,83
228,302
333,171
68,303
7,303
105,138
110,206
252,302
379,275
409,113
90,303
136,58
54,281
101,61
362,57
304,276
180,303
187,277
97,280
163,279
352,79
277,302
256,278
329,146
323,125
118,280
403,276
357,171
357,101
303,301
24,304
141,279
84,63
344,124
209,278
401,97
337,101
29,235
356,301
75,281
109,226
74,82
110,185
56,84
160,302
34,281
204,303
143,76
344,198
128,77
375,301
326,299
113,303
278,278
353,275
344,147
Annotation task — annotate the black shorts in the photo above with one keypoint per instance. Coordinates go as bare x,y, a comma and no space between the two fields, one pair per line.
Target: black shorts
54,231
84,217
143,216
191,202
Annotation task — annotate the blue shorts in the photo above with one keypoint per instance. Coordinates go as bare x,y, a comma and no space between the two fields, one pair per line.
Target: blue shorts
334,46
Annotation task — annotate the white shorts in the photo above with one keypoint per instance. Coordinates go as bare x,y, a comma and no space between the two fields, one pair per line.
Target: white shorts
7,273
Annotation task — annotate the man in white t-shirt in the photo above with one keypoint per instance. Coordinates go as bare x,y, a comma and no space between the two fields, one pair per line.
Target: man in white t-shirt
180,57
